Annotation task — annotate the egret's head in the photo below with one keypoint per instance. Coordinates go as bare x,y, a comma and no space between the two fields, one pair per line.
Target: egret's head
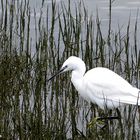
71,64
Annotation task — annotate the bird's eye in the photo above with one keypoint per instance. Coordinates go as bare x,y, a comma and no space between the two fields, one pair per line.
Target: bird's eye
66,66
63,68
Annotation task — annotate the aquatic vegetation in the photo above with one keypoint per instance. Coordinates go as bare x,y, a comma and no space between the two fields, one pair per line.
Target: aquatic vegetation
33,46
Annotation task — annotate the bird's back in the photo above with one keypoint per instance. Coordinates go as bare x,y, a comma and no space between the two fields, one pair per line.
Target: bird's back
102,84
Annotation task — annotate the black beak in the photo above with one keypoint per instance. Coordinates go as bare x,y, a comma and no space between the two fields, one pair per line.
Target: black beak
60,71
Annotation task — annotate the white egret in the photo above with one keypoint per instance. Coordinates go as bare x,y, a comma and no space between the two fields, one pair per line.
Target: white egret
100,85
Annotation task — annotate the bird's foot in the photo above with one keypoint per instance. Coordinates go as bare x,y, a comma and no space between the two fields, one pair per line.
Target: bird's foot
99,122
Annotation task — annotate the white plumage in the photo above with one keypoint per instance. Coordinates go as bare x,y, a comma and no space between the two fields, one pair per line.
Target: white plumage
100,85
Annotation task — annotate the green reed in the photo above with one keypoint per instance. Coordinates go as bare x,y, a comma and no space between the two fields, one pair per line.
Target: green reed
31,107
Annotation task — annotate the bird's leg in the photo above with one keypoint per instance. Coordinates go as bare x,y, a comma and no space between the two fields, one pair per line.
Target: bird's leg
102,121
105,118
96,119
108,118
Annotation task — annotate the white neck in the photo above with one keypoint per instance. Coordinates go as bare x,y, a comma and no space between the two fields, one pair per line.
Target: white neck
77,79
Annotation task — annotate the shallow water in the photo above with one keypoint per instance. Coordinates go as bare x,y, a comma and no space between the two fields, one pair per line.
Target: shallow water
44,109
122,11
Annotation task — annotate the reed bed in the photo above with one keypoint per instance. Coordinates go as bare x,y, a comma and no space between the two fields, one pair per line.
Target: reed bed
32,48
